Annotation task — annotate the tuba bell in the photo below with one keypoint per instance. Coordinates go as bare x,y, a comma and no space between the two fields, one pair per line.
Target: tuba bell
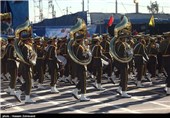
79,27
125,27
24,29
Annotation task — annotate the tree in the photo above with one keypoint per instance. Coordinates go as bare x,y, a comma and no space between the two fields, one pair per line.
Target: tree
153,8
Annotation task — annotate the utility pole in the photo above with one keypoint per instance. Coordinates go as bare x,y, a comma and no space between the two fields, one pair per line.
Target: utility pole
38,6
137,6
51,11
41,10
83,5
116,7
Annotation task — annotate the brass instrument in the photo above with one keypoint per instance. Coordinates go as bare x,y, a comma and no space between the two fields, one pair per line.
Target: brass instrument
6,16
25,28
123,27
79,27
3,46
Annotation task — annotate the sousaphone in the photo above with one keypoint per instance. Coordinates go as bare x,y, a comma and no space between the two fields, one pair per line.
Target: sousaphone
125,27
79,27
24,28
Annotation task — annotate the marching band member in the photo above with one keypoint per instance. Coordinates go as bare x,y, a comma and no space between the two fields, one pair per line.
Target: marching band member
39,67
165,51
105,45
81,69
11,64
25,68
97,62
141,58
152,51
3,57
52,64
159,56
122,67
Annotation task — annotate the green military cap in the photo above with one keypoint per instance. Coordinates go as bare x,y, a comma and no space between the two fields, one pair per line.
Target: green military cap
3,39
46,39
158,36
166,34
105,35
147,35
94,35
152,39
96,39
37,38
79,37
11,37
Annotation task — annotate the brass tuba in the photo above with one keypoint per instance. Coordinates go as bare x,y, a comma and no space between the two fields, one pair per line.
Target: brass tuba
6,17
125,27
32,55
3,46
79,27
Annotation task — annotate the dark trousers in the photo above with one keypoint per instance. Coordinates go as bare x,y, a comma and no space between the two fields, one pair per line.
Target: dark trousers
73,70
53,72
108,70
130,67
40,70
166,65
159,65
139,65
67,68
81,79
152,66
3,66
26,87
98,73
12,69
122,67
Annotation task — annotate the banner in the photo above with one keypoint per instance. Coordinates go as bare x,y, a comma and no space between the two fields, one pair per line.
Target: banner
57,32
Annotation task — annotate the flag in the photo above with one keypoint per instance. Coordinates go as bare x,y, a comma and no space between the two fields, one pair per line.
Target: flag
110,22
152,22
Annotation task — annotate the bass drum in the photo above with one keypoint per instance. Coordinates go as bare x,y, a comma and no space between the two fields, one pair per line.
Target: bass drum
62,59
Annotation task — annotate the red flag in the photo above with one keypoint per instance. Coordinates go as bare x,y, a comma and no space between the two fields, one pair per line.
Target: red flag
110,21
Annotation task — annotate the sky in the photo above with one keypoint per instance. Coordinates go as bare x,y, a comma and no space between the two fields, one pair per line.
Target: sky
105,6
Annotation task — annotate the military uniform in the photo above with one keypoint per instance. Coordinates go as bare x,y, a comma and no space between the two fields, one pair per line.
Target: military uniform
63,52
159,56
152,51
11,62
81,69
3,57
80,52
25,70
52,64
29,56
105,45
122,67
39,67
97,61
140,58
165,51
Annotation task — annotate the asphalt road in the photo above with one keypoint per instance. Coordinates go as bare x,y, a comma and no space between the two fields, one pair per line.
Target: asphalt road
150,99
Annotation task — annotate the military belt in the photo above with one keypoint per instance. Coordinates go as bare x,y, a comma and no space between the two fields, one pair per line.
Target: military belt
165,55
137,55
50,59
151,55
40,57
64,54
11,59
105,52
97,57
